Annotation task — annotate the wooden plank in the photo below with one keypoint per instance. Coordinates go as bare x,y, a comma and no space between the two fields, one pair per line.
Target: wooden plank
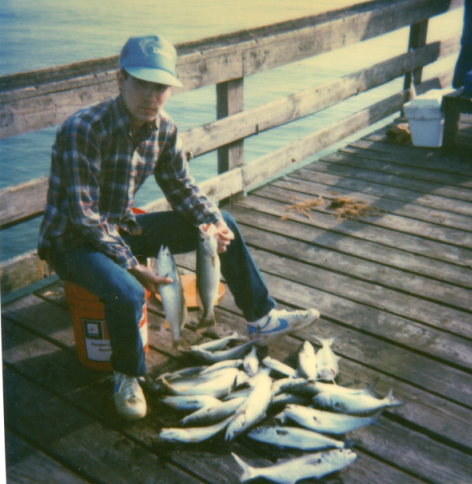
267,165
70,436
358,229
330,187
362,270
364,249
382,317
426,230
418,34
430,187
325,174
425,173
26,465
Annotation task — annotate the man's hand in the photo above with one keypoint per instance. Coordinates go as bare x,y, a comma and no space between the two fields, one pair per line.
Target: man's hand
148,279
224,236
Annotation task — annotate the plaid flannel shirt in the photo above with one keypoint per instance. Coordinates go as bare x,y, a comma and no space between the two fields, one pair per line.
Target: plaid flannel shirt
97,167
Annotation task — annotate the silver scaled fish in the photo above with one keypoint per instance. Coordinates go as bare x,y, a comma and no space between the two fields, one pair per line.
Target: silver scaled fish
208,274
309,466
172,296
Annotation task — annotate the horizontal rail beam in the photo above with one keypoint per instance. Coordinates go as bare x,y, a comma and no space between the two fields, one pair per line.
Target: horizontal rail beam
24,201
29,103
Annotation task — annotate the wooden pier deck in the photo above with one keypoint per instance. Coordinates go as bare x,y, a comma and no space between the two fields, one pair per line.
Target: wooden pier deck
394,288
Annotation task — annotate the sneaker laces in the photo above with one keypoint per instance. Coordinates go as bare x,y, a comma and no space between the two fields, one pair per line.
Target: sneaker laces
126,386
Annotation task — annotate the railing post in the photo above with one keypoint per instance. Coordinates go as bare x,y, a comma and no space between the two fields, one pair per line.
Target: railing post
418,33
230,100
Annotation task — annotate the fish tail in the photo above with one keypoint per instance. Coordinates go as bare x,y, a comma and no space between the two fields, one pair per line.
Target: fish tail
248,471
180,345
207,322
392,400
327,342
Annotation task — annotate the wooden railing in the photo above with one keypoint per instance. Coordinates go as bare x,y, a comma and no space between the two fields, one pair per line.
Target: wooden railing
35,100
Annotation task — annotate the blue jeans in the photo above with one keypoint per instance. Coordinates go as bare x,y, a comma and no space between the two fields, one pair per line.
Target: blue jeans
123,296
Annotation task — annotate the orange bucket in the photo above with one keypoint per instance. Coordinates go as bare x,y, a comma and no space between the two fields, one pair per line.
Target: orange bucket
90,330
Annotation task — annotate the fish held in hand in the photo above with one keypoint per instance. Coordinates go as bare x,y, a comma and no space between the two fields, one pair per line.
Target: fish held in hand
172,296
208,274
309,466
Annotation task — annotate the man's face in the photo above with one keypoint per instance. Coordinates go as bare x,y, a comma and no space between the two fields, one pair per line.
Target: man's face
144,100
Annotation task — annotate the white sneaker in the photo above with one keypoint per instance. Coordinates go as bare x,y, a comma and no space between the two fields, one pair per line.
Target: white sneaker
280,322
128,396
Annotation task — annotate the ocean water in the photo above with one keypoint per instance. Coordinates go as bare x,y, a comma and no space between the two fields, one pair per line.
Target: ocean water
35,35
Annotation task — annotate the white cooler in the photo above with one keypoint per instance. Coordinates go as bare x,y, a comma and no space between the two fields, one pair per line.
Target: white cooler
426,119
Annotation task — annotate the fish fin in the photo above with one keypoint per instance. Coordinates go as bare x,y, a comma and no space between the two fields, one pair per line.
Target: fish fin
370,389
205,323
248,471
180,345
166,324
214,261
392,401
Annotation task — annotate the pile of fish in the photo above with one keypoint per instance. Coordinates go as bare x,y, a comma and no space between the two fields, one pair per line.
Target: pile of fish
234,391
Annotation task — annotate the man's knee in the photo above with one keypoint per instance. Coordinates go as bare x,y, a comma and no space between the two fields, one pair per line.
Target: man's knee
128,294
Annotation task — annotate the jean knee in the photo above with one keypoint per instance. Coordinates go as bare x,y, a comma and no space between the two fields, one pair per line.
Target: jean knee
128,296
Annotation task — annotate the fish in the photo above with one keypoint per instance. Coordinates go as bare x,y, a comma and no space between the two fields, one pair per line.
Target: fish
192,434
222,364
213,412
293,437
333,388
321,421
326,360
356,403
172,296
217,344
208,274
251,362
309,466
295,385
253,409
189,402
307,361
229,354
276,365
285,398
245,392
216,387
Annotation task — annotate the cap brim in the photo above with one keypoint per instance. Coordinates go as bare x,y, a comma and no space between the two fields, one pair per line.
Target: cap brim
158,76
